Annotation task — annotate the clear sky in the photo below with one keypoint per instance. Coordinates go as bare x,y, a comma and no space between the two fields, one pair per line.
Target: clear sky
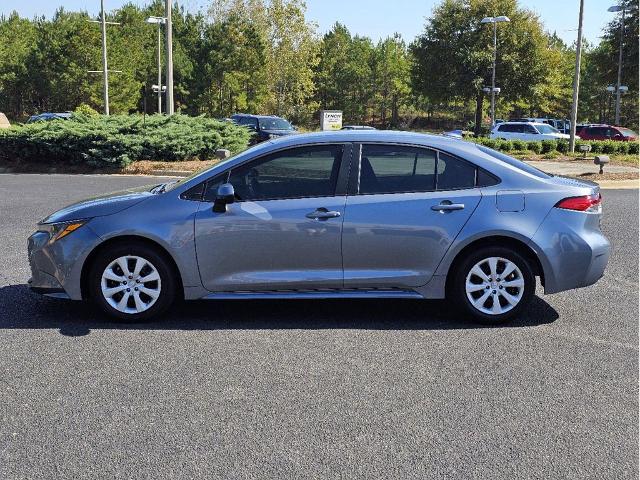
373,18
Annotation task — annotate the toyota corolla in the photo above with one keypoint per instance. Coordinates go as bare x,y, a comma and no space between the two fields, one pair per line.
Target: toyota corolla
348,214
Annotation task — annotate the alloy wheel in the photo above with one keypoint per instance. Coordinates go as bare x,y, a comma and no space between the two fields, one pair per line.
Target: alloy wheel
494,285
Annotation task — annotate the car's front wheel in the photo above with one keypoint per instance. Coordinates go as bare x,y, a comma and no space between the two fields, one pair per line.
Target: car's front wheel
132,283
493,284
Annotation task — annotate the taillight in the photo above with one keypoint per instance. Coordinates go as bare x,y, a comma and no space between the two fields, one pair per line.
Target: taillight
588,203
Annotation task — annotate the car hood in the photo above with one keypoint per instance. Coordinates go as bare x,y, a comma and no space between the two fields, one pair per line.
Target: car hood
101,205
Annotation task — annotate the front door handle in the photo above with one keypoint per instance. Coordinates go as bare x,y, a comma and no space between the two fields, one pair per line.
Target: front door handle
447,206
322,214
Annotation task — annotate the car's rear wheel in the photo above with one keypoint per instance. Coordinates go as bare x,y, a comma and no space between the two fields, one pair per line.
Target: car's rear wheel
132,283
493,284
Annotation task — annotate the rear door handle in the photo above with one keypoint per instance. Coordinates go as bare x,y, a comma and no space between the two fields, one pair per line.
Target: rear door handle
322,214
447,207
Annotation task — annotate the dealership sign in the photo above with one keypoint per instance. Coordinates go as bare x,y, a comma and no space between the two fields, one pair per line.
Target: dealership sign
330,119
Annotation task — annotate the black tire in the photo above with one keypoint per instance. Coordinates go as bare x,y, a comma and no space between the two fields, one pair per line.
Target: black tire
458,294
167,281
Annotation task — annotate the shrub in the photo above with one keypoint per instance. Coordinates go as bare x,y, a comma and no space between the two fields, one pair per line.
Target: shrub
504,145
84,109
548,146
596,146
562,146
118,140
551,154
634,148
622,147
489,142
535,147
609,146
519,145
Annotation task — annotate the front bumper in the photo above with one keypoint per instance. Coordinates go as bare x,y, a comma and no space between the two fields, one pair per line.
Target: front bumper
574,252
56,268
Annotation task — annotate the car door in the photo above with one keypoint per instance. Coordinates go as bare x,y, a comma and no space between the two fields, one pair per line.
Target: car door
504,131
405,207
598,133
530,133
284,229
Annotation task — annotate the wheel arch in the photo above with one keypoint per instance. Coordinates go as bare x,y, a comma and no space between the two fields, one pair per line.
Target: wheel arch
516,244
128,240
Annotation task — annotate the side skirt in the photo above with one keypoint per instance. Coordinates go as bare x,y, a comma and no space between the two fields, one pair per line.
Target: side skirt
313,294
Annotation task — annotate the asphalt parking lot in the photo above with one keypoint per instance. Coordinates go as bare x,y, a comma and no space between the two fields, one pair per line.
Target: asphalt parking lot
314,389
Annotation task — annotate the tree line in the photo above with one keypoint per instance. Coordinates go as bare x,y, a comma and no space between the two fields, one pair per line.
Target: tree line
264,56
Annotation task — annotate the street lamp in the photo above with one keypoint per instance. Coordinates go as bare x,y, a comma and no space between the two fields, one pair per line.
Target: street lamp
495,21
159,21
619,8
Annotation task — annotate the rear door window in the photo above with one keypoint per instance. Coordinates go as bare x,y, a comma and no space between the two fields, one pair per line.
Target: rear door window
454,174
387,169
396,169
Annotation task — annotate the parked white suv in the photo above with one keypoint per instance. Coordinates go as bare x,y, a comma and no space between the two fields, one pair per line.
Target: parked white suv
526,131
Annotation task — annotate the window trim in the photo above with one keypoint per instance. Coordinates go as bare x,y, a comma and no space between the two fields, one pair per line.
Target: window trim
354,181
341,182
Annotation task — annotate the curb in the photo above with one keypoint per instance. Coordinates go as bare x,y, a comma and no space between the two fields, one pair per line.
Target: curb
170,173
619,184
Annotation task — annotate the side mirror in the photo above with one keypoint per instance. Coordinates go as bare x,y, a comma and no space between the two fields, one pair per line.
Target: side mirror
224,196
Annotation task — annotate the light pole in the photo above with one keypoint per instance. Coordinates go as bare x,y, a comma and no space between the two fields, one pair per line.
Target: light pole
610,90
619,8
159,21
576,82
495,21
169,58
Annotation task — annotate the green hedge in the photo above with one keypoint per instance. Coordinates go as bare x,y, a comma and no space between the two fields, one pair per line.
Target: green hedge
561,146
118,140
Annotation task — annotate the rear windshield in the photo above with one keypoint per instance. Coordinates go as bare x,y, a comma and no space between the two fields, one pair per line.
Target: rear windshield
525,167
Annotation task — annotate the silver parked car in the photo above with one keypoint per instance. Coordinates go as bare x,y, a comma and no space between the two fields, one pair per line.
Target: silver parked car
336,214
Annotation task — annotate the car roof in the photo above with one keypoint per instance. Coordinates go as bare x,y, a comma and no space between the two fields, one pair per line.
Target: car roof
250,115
369,136
523,123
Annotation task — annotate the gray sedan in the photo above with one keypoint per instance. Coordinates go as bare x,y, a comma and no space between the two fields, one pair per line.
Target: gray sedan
336,214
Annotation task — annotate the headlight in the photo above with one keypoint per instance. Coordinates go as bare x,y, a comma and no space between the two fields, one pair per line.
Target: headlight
60,230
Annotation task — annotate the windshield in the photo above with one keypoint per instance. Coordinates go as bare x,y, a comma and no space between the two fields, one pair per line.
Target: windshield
170,186
274,124
525,167
546,129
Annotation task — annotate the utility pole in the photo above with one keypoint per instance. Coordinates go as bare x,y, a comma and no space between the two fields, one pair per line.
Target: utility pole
105,69
576,83
619,8
169,58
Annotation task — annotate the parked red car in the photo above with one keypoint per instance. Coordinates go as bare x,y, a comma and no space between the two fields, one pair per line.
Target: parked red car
608,132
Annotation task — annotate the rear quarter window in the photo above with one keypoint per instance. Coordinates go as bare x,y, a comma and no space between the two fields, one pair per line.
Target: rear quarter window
525,167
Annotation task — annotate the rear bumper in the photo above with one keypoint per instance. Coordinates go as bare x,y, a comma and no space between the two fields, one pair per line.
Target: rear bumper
572,250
